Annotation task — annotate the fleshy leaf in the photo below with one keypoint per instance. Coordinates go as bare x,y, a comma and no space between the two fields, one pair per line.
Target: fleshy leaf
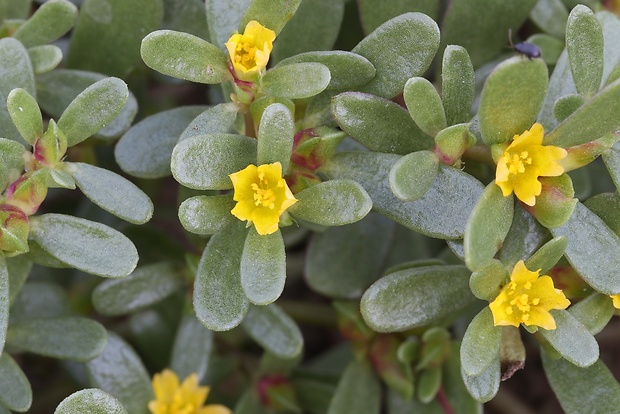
348,398
145,149
192,348
92,401
594,312
416,297
456,191
86,245
297,80
120,372
332,203
145,286
348,70
184,56
206,214
218,119
486,282
582,390
512,97
93,109
567,105
219,301
424,105
584,44
25,114
44,58
4,301
487,226
481,342
275,136
15,390
593,249
548,255
457,84
550,16
227,154
263,267
50,22
399,49
274,330
484,386
413,175
73,338
272,14
571,339
379,124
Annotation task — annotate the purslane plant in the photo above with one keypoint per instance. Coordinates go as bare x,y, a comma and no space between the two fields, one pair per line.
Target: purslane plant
358,158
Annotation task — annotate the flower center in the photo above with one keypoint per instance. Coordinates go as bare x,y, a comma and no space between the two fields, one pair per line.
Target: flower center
516,162
263,194
520,301
245,55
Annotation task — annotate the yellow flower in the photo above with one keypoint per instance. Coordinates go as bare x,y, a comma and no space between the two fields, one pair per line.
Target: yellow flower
262,195
171,397
249,52
524,161
616,300
527,299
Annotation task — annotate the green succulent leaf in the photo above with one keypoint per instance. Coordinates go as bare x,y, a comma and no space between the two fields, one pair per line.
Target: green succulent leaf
86,245
512,98
428,384
481,342
57,89
275,136
297,80
348,398
44,58
571,339
399,49
227,154
550,16
611,157
107,35
373,13
486,282
93,109
219,301
567,105
25,114
186,16
273,14
584,44
332,203
4,301
274,330
379,124
263,267
206,214
362,249
593,249
487,226
119,371
19,268
223,17
548,255
453,189
594,312
413,175
457,84
591,121
15,390
184,56
582,390
424,105
315,26
40,300
483,387
145,286
73,338
15,72
416,297
111,192
92,401
191,351
347,70
218,119
50,22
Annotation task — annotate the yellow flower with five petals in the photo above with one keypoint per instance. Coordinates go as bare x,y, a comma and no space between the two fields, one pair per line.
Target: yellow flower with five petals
526,159
249,52
173,397
527,299
262,195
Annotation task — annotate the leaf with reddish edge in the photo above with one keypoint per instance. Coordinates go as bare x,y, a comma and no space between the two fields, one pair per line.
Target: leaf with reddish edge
14,228
51,147
555,204
28,191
